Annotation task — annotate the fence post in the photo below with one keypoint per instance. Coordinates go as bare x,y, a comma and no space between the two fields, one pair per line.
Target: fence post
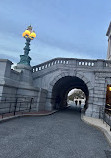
15,106
19,106
103,115
30,104
100,112
10,108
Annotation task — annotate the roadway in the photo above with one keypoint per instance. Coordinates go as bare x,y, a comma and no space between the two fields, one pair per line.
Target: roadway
60,135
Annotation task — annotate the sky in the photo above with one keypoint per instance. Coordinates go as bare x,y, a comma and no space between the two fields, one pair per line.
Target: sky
72,91
64,28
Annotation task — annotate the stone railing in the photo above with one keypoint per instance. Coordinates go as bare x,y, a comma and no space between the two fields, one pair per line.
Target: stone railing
107,63
72,61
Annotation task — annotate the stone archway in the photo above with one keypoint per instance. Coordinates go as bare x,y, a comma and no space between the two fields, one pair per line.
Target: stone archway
83,80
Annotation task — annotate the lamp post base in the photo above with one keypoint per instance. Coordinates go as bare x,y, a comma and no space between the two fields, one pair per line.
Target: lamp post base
25,59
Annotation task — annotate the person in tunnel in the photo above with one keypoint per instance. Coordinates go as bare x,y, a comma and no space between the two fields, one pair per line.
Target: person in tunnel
76,102
79,102
58,100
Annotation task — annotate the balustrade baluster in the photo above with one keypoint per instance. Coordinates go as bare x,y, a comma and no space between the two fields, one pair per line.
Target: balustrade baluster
89,64
79,63
92,64
82,63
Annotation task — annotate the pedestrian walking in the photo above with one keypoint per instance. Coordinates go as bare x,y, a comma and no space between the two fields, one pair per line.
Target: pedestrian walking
79,102
76,102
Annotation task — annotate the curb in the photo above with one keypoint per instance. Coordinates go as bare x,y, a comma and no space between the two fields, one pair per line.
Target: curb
24,115
105,132
49,113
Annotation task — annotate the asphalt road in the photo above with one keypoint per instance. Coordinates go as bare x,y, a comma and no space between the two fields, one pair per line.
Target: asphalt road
61,135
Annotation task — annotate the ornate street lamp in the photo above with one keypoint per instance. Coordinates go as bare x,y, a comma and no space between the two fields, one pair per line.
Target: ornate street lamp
28,35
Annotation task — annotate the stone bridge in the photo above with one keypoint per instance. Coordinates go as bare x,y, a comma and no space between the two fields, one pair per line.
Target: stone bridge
58,76
53,79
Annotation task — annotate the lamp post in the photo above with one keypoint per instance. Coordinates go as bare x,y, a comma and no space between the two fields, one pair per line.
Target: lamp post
29,35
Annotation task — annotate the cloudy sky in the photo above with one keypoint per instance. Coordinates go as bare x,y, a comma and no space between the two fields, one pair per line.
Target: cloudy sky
64,28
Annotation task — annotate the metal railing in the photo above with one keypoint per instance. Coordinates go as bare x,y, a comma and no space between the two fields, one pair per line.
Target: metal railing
11,106
105,115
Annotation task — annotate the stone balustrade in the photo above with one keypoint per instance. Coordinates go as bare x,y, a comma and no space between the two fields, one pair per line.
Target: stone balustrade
72,61
107,63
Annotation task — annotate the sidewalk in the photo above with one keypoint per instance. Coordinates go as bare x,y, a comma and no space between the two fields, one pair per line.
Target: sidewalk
9,116
98,123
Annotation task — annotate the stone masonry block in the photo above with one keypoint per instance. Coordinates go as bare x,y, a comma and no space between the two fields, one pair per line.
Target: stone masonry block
99,85
79,76
85,80
66,74
74,73
62,74
100,88
98,103
96,107
98,95
91,92
99,92
100,81
88,84
96,99
95,114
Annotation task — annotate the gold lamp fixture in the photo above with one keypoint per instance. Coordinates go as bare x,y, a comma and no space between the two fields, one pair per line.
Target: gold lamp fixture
28,33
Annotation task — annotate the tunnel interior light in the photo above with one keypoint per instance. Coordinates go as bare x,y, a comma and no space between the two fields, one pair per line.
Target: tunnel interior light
110,88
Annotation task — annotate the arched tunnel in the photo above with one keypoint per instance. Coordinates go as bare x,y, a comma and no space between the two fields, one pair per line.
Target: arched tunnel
61,89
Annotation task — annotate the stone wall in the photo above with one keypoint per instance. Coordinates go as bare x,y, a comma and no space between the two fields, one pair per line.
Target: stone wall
16,83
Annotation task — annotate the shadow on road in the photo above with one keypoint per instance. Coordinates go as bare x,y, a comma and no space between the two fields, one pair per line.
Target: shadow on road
72,110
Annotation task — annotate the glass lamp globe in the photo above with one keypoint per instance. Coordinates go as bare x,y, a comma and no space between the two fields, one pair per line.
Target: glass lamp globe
33,34
23,34
27,32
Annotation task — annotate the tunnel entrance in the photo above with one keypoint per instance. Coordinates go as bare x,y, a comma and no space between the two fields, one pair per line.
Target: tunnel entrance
61,89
